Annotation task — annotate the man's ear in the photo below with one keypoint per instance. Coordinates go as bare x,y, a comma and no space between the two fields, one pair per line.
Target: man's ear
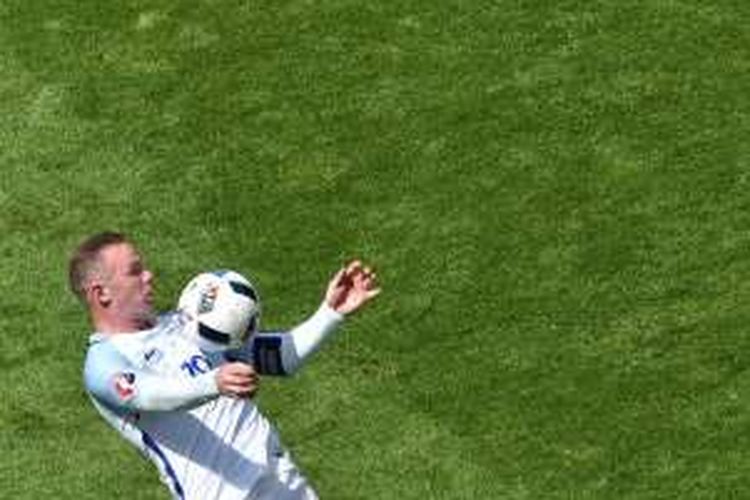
99,293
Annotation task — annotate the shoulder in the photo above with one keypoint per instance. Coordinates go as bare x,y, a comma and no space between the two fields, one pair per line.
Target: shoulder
170,323
102,357
107,372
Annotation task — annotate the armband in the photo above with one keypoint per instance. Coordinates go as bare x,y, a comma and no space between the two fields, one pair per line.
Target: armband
267,355
282,353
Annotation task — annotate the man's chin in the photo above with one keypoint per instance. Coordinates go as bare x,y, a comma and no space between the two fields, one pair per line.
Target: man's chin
147,319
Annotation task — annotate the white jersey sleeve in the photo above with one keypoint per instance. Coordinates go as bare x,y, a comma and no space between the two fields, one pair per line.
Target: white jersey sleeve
283,353
115,382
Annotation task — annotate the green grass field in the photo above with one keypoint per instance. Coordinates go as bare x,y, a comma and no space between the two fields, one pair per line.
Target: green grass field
555,195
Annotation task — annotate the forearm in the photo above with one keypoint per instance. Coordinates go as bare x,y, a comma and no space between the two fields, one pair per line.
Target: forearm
166,394
284,353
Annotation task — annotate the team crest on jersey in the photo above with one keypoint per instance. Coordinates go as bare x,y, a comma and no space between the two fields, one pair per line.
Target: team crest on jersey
207,300
125,385
153,355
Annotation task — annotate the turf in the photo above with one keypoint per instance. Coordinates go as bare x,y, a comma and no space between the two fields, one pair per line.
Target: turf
554,195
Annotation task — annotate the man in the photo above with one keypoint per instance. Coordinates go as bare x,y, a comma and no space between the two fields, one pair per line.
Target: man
198,425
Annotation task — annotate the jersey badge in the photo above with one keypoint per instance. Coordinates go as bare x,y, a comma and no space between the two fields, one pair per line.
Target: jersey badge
125,385
153,355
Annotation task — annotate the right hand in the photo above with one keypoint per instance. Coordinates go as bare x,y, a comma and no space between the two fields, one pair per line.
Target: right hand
237,379
351,288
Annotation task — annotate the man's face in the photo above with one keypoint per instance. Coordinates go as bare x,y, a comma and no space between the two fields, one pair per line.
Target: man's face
129,285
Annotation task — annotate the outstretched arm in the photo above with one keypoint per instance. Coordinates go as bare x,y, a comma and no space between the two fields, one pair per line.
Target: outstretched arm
283,353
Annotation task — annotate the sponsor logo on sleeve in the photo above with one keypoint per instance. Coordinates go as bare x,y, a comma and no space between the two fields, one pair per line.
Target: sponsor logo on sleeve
125,385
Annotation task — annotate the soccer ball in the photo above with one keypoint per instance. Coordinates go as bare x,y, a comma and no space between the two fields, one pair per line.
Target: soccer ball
222,307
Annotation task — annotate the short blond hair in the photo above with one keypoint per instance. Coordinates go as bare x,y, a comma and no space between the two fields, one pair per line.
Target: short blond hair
85,259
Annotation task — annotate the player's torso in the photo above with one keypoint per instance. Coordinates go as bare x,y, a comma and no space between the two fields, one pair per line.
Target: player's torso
220,445
164,350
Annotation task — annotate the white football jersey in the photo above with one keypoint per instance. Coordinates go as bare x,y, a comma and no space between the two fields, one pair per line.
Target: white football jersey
158,390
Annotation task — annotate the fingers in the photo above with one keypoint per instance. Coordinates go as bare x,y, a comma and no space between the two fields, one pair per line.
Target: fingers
358,285
336,288
237,379
364,278
369,279
361,277
355,269
339,275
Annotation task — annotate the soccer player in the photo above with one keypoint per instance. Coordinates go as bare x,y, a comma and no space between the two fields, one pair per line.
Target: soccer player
190,413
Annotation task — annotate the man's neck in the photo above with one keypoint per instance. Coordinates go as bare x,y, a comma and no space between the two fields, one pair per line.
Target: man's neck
122,325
